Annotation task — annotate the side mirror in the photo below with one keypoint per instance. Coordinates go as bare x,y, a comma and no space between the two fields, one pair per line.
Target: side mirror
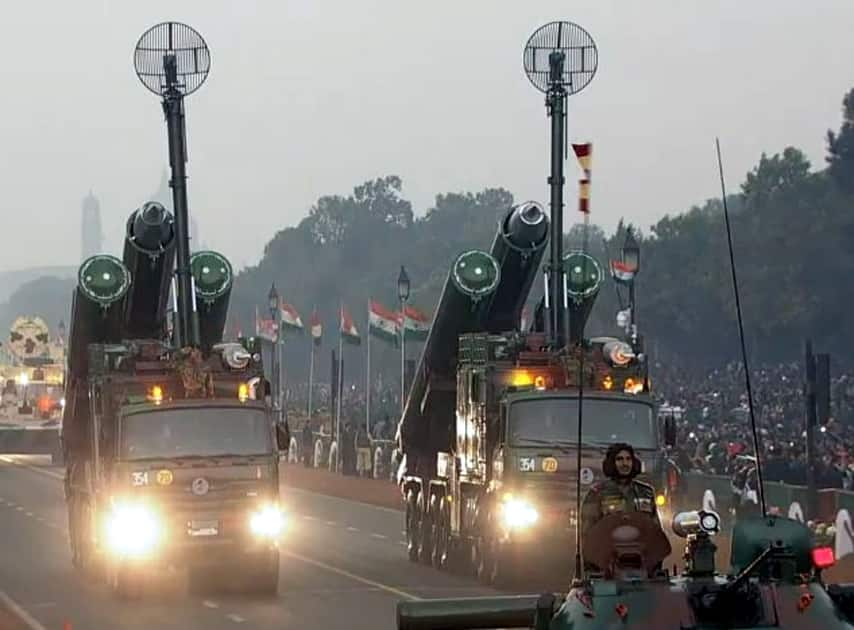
670,431
283,438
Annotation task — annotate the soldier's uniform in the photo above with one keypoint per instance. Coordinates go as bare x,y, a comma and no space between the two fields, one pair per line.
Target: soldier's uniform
611,496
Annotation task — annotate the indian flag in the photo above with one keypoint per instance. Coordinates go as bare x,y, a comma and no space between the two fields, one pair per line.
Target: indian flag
622,272
316,328
416,325
347,328
290,317
265,328
382,322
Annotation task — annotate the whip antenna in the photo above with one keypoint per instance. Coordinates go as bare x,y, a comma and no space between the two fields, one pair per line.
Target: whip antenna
759,480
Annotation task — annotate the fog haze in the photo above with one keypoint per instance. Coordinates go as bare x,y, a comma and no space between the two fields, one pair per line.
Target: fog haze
311,98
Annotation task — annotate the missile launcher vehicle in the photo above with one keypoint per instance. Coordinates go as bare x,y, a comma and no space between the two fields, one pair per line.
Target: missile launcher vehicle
488,432
171,450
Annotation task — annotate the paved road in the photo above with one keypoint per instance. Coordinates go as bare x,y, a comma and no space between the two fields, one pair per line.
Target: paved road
344,565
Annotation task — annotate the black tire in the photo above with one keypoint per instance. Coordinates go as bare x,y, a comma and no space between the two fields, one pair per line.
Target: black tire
413,525
441,537
482,560
263,574
125,582
425,542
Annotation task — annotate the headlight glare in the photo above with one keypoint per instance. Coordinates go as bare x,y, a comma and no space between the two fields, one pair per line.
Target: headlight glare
267,522
518,514
132,529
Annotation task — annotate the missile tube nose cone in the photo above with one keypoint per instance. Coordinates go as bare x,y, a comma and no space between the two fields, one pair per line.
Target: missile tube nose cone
526,226
152,213
476,273
531,213
103,279
212,273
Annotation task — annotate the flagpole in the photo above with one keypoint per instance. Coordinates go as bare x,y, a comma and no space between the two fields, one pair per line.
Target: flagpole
311,377
368,377
340,387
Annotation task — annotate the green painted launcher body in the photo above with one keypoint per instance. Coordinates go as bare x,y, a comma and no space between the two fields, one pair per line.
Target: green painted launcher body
97,308
213,278
463,307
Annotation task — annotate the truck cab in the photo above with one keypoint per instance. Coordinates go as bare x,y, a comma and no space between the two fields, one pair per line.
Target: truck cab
158,478
505,493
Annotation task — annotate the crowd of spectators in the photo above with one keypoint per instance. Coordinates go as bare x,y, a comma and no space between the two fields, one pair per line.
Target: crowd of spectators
714,430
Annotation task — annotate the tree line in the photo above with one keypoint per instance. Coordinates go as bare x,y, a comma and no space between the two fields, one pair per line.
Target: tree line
792,222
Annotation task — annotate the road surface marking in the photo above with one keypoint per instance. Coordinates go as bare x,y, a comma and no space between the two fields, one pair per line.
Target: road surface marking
25,617
20,508
333,523
35,469
209,604
352,529
403,542
332,498
380,536
308,517
11,504
29,514
236,618
40,519
352,576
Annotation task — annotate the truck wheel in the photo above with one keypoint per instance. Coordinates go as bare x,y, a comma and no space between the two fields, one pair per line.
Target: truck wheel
412,527
263,574
484,561
425,547
441,535
125,581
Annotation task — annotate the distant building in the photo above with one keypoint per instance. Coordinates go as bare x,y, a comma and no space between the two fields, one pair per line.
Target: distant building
91,234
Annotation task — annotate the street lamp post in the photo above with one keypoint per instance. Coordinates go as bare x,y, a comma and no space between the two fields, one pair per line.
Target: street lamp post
403,296
631,258
275,314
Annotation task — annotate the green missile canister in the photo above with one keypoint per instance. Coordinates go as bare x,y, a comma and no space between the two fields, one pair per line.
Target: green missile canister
96,308
462,308
212,278
583,280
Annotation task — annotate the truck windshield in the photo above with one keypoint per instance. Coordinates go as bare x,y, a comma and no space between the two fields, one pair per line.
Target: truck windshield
211,431
604,422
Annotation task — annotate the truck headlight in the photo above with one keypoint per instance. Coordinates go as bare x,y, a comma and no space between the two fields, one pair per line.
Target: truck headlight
132,529
518,513
267,522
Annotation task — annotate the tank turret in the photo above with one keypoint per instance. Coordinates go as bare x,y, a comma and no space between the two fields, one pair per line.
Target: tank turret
518,248
96,308
149,255
212,278
462,308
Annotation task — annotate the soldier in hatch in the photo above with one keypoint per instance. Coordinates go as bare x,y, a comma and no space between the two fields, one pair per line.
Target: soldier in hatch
620,492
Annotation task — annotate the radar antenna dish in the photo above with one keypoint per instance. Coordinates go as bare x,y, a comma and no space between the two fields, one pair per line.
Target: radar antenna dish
580,57
172,60
172,56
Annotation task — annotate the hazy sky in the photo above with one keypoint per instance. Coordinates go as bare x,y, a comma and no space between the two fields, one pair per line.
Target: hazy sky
310,97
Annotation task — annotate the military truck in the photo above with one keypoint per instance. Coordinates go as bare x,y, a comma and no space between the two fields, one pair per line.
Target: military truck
489,431
31,390
171,449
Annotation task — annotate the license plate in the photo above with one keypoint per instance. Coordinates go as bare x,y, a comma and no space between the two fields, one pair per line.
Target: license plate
203,528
